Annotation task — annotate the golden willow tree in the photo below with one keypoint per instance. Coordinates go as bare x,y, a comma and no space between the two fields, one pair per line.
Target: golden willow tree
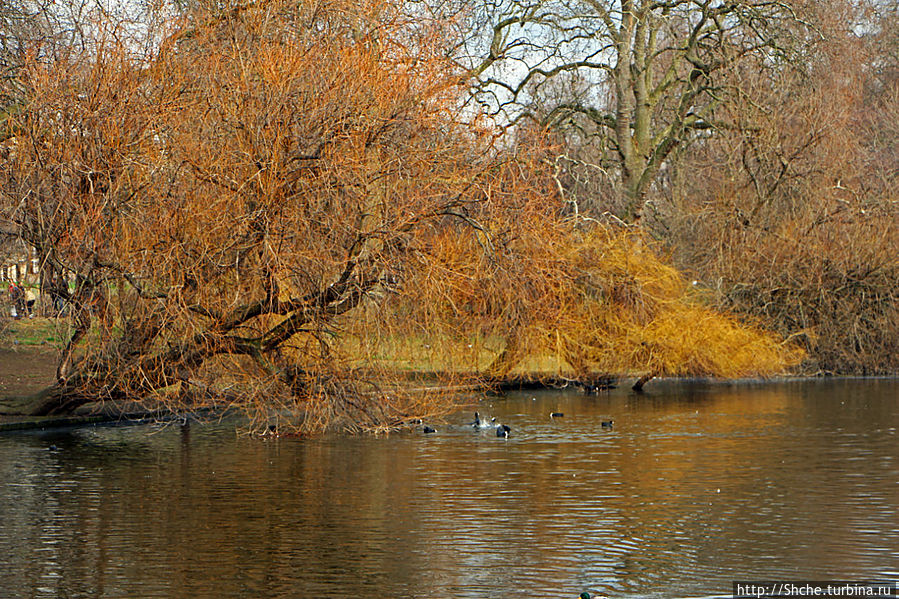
568,298
283,205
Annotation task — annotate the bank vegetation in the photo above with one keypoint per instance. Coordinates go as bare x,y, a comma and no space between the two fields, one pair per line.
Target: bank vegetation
321,213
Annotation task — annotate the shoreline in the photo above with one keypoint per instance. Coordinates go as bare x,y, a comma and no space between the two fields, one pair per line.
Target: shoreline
27,369
130,413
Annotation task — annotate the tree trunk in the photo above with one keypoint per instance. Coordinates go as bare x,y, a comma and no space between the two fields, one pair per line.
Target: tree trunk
638,386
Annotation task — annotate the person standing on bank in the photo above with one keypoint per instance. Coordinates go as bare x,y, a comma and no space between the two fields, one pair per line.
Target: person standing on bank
30,299
16,297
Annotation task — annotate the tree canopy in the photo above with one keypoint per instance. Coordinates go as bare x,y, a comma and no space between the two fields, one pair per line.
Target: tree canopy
637,77
289,206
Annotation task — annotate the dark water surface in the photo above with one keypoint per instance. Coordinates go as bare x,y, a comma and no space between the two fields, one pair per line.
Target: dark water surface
695,486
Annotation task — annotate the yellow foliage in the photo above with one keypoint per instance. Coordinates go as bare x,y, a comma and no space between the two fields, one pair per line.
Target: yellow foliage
581,299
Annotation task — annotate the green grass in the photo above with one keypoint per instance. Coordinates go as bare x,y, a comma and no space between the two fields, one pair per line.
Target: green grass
32,331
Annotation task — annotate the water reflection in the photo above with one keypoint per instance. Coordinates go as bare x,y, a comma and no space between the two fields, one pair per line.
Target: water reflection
693,487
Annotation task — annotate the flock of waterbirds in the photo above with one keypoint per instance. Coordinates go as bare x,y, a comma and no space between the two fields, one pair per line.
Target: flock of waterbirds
504,430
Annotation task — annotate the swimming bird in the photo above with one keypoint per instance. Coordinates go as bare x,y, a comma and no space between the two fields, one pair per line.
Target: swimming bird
428,429
556,414
607,423
503,431
478,423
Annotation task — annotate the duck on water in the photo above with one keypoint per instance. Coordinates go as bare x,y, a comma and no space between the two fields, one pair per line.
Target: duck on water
502,430
478,423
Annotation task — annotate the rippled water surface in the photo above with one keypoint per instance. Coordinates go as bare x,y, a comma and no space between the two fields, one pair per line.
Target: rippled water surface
693,487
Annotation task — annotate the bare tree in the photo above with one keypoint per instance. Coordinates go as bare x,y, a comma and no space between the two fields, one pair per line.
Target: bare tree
789,213
643,75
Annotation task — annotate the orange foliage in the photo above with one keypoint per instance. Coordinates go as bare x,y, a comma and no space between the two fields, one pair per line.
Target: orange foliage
281,204
580,299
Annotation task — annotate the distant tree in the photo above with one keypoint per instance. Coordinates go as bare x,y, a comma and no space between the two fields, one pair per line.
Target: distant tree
642,76
789,213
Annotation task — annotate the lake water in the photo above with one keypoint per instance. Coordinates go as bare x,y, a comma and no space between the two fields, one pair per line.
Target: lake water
693,487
